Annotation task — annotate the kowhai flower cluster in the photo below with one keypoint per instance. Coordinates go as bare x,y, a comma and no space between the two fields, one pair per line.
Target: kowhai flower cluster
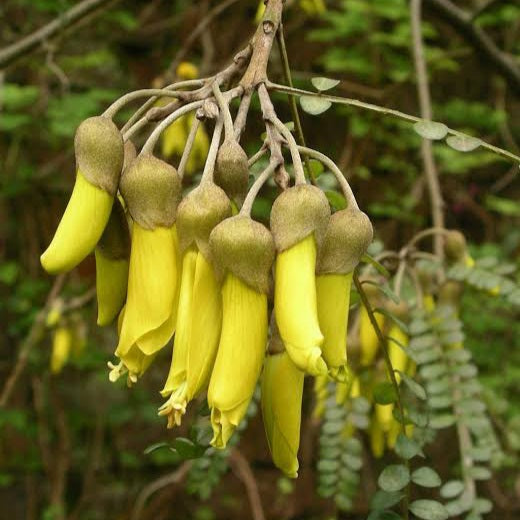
240,302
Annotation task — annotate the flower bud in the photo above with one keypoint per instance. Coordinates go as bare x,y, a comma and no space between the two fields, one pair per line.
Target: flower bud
298,212
231,169
456,248
245,248
61,347
199,212
112,258
99,152
244,251
151,189
99,157
348,235
282,390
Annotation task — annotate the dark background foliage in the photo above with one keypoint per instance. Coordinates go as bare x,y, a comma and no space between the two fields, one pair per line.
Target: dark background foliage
74,442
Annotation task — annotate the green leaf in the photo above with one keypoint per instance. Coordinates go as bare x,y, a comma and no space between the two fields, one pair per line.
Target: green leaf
463,143
384,393
156,446
438,422
407,448
383,515
336,200
317,167
367,259
429,510
431,129
480,473
314,105
187,449
385,289
433,371
401,324
384,500
323,84
394,478
482,506
414,387
426,477
452,489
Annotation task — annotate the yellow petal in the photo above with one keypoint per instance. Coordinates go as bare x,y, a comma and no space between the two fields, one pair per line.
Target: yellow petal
239,359
150,312
377,438
295,306
80,227
367,336
177,373
429,302
111,284
398,357
384,416
61,345
333,296
282,390
321,394
206,323
136,362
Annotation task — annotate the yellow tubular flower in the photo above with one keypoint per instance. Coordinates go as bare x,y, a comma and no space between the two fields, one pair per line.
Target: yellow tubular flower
347,237
282,390
177,374
239,359
377,438
367,336
200,302
61,346
99,157
243,251
398,357
320,395
384,416
333,297
296,307
150,311
299,218
151,189
80,228
112,258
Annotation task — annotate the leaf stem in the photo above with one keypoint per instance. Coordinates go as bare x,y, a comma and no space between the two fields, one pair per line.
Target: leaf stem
382,110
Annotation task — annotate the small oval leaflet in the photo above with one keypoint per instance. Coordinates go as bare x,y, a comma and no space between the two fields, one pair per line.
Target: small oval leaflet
429,510
394,478
452,489
426,477
463,143
323,84
431,129
314,105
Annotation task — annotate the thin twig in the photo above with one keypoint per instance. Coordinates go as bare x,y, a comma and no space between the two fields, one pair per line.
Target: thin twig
423,88
225,112
390,370
381,110
168,91
331,165
255,188
243,470
476,36
257,156
292,101
188,147
27,44
195,33
209,166
31,340
150,143
171,479
241,118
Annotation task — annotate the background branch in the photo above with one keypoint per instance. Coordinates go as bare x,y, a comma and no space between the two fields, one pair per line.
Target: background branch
473,34
27,44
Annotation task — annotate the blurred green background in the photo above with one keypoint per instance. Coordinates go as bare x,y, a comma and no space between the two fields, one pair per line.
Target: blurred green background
73,445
